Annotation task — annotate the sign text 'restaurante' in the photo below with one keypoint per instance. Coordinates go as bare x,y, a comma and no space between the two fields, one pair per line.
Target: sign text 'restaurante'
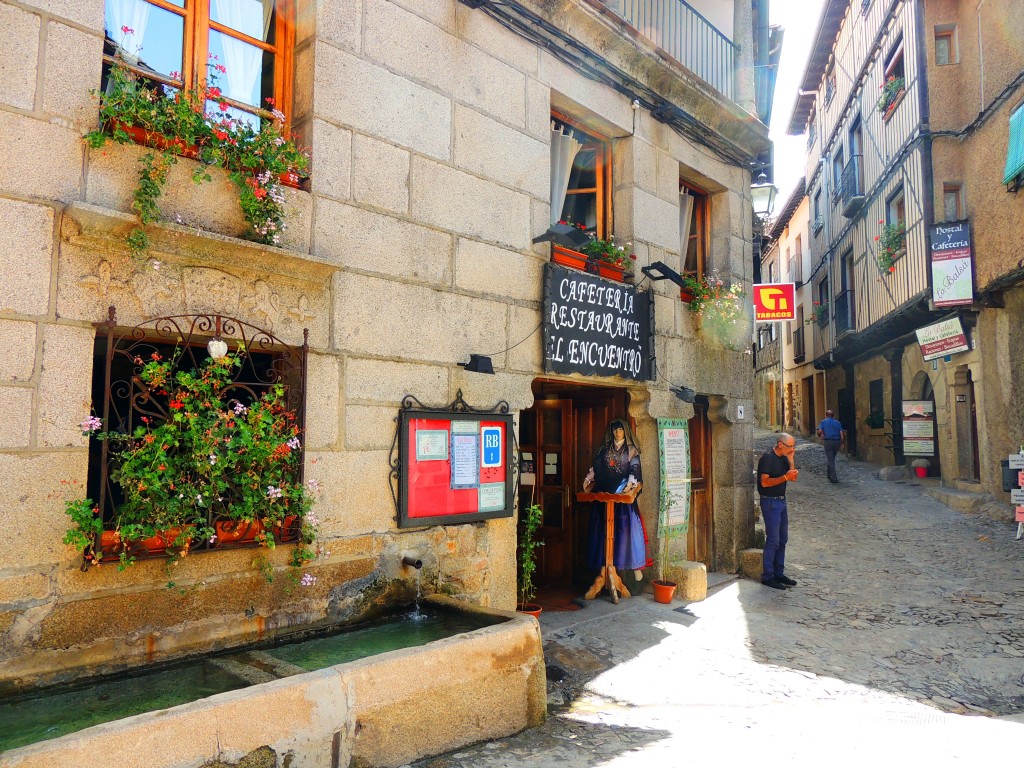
595,327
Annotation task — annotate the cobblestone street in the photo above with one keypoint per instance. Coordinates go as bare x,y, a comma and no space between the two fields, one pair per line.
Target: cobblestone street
903,640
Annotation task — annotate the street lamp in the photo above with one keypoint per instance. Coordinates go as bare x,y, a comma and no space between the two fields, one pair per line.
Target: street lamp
762,196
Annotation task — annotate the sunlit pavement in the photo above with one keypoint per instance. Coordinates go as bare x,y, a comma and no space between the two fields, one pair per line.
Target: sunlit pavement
903,643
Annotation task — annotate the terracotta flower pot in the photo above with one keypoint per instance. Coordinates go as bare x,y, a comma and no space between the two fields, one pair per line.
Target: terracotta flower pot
921,471
577,260
663,591
531,608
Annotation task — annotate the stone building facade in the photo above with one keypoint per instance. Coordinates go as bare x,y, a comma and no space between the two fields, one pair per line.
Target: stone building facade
409,247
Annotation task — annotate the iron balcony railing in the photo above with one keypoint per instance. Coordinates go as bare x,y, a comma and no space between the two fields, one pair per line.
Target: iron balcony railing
798,345
845,320
686,36
852,184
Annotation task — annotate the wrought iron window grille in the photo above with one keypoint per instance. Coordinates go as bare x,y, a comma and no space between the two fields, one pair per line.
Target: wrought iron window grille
127,403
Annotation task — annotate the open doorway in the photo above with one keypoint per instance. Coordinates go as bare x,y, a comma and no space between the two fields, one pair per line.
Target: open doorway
560,435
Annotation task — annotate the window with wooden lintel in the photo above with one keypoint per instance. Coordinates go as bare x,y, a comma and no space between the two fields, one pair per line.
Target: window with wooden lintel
1013,171
241,47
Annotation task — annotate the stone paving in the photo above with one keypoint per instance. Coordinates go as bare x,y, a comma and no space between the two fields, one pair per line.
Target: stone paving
902,642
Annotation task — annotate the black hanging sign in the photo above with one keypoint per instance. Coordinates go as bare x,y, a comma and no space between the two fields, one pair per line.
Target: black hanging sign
595,326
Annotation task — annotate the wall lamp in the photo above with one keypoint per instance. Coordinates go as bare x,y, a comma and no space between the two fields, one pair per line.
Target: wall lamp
564,235
762,196
479,364
685,394
659,270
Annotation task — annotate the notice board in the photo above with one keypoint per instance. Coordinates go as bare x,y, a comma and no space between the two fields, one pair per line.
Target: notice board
454,467
674,447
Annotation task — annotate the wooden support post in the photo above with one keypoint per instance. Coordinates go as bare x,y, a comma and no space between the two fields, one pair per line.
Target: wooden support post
608,577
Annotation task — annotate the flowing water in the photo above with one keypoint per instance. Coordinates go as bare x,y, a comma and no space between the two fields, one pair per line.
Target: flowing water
60,710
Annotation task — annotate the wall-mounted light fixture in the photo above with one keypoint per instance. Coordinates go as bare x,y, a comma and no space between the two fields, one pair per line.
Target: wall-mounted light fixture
479,364
659,270
564,235
685,394
762,196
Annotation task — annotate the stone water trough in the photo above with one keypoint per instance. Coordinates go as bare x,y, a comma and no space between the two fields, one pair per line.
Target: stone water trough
382,711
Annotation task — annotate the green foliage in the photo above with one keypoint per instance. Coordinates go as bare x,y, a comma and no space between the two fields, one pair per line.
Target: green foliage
212,459
819,314
713,299
890,242
891,89
530,521
875,420
186,121
609,252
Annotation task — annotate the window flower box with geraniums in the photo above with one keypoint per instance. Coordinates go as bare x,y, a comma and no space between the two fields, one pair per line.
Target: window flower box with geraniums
891,89
200,124
718,307
604,257
216,470
891,244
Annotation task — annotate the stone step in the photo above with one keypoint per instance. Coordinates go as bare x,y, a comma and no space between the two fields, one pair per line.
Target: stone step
961,501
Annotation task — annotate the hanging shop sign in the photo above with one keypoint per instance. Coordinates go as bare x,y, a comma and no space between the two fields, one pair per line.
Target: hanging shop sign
940,339
674,445
453,465
949,245
774,302
596,327
918,428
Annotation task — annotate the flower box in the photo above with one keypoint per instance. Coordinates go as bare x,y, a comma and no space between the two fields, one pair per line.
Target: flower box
577,260
892,106
154,140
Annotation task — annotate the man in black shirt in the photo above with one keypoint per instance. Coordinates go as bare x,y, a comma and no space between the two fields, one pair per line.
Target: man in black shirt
774,470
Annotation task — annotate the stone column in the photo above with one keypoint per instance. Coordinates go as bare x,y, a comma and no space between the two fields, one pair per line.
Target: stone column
962,419
895,358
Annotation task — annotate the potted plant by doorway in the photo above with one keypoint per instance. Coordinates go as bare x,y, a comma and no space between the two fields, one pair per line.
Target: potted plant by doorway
664,590
529,523
921,467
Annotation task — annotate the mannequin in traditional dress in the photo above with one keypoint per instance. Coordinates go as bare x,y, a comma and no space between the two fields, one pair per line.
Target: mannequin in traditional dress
617,469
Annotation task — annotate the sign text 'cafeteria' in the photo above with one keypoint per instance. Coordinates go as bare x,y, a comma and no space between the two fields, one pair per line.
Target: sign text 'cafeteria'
594,326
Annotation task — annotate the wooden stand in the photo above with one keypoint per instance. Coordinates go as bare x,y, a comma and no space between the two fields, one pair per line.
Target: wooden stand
608,576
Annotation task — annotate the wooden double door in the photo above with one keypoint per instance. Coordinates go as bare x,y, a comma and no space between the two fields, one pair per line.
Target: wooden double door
561,433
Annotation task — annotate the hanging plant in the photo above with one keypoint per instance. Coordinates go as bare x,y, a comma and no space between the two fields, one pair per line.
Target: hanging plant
198,123
891,90
891,243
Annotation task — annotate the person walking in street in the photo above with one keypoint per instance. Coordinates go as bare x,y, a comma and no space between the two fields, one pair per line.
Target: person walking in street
775,468
834,437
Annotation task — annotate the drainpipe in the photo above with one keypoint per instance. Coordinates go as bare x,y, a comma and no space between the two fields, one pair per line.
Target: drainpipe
981,61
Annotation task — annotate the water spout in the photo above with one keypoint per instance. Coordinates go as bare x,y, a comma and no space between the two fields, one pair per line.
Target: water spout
412,561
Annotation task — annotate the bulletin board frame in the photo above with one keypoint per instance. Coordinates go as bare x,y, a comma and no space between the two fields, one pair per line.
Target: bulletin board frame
445,468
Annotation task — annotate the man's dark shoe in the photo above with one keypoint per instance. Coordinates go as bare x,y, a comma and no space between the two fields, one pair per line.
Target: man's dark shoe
773,583
786,580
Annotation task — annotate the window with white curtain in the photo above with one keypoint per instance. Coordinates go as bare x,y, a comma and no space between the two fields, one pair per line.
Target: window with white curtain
580,176
239,47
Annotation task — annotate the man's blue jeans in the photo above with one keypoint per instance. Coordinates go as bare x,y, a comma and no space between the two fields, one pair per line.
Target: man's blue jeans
776,534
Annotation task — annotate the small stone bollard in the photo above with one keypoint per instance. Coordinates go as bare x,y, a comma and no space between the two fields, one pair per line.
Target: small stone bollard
691,580
751,563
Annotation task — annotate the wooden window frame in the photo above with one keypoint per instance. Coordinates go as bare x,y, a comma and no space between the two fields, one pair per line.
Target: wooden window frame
197,26
896,60
946,32
957,189
602,146
702,235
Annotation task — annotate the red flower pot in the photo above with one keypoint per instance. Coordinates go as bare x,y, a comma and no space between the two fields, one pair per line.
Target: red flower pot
577,260
921,471
531,608
663,591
